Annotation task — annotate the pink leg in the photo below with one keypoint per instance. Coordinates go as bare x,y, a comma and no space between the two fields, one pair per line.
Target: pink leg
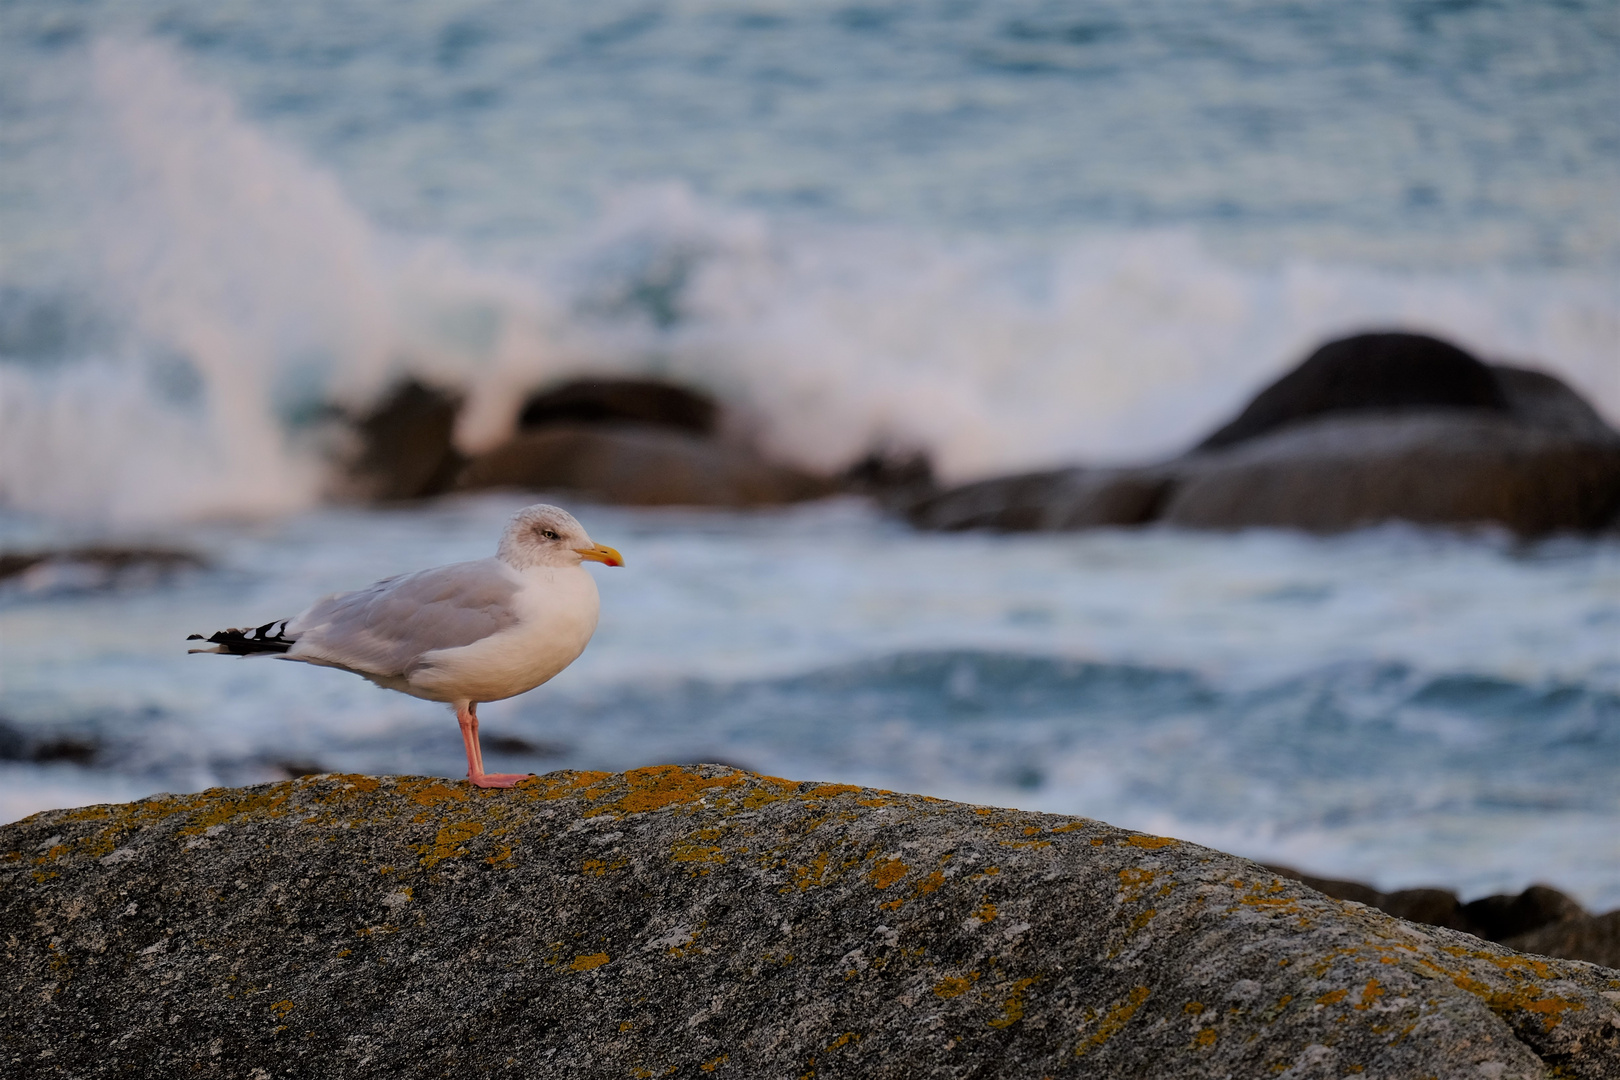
467,716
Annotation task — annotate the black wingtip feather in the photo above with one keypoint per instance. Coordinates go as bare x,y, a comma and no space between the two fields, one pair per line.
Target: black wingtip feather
269,638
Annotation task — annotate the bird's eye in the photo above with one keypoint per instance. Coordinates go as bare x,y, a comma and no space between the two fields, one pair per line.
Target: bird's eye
549,535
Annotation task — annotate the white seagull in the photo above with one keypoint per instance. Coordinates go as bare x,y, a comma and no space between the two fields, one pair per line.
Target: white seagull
462,634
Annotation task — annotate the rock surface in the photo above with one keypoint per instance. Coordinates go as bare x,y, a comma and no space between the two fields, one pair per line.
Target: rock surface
92,567
1383,372
1057,500
1540,919
708,921
405,445
1593,937
1347,471
640,465
622,401
1368,429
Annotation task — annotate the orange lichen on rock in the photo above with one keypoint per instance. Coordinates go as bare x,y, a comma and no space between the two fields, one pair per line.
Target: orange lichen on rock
588,961
447,844
1151,843
1116,1018
827,791
697,853
927,885
518,888
660,786
1133,881
887,873
434,794
1369,994
770,789
1012,1008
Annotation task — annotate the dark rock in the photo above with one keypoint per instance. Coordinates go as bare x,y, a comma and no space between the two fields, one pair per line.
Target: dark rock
518,747
76,749
1385,372
18,745
895,480
14,745
1334,887
1546,401
642,466
1432,907
1368,429
672,921
293,768
622,401
1541,914
1593,938
1498,918
1344,472
91,567
1060,499
406,449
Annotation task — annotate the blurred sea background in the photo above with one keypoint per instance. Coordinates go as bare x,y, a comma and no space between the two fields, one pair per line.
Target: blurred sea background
1009,235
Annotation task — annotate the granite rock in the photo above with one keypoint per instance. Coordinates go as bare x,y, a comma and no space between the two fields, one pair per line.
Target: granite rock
405,445
1059,499
622,401
640,465
1350,470
707,921
1587,937
1380,372
1540,919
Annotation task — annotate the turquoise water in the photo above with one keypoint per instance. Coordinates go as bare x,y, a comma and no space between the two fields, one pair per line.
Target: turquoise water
1006,234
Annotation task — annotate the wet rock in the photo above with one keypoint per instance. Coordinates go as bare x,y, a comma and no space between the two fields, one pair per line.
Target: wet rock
1056,500
1432,907
1545,401
78,569
1540,914
1335,887
406,450
19,745
1368,429
1385,372
896,480
705,920
1500,917
293,768
76,749
1594,938
623,401
1345,472
638,442
640,465
520,747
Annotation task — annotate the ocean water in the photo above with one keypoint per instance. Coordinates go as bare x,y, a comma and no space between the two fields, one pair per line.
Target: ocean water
1007,234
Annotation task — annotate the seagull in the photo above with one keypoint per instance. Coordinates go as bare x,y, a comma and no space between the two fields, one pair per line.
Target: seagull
462,634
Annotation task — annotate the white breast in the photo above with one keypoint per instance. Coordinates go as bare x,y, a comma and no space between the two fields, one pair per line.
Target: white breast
557,614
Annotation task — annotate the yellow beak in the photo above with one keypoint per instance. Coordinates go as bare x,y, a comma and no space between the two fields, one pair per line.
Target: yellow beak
601,553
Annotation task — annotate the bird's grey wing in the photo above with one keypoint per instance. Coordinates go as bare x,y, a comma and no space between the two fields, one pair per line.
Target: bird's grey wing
384,628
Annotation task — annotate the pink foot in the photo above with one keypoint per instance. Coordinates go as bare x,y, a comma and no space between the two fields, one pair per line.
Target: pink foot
498,779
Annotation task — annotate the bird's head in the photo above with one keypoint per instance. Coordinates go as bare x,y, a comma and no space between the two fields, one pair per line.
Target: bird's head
542,535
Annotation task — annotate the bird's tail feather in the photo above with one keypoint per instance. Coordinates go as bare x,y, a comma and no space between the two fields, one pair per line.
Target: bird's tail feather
269,638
